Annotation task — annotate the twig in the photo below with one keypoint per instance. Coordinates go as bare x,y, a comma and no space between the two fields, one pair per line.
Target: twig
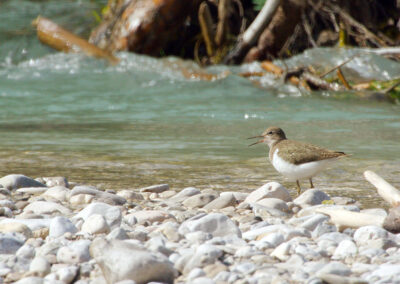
343,79
222,26
338,66
206,24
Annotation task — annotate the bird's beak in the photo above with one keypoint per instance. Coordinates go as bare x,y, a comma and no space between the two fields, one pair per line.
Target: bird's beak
259,141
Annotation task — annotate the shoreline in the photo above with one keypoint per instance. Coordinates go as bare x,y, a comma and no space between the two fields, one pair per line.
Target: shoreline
55,231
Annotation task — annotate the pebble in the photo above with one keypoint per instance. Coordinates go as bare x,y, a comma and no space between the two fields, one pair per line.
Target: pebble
39,266
10,243
111,214
14,227
47,207
221,202
59,193
158,188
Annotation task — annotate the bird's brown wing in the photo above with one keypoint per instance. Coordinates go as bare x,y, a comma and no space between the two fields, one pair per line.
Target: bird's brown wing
299,152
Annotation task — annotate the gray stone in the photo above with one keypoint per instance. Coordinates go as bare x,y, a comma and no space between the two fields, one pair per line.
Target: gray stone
121,260
312,222
221,202
158,188
311,197
99,196
269,190
217,224
130,195
266,212
273,240
8,203
202,280
60,225
16,181
195,273
76,252
199,200
112,214
10,243
118,233
239,196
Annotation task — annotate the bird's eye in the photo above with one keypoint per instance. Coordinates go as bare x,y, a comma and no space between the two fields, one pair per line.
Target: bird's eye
269,133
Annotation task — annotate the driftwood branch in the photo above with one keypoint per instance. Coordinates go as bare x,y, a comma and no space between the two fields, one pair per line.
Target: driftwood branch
58,38
388,192
348,219
251,35
222,26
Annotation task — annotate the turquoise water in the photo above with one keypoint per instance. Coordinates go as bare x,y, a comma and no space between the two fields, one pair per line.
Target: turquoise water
142,122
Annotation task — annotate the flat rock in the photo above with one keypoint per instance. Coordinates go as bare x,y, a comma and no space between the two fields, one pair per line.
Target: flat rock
130,195
271,189
46,207
217,224
98,195
14,227
33,224
185,193
112,214
199,200
158,188
150,216
311,197
221,202
121,260
15,181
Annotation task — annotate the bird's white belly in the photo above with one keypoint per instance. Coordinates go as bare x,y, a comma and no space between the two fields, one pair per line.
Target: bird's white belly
297,172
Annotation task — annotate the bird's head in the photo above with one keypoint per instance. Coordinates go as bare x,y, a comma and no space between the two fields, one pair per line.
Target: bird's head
270,136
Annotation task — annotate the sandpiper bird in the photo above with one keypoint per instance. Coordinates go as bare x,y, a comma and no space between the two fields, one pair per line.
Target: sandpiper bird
293,159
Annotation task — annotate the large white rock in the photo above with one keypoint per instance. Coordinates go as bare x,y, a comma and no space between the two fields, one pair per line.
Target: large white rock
46,207
199,200
221,202
274,203
219,225
112,214
74,253
205,254
121,260
344,249
96,224
271,189
60,225
16,181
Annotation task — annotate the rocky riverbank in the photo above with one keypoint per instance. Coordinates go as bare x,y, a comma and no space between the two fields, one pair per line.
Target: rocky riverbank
53,231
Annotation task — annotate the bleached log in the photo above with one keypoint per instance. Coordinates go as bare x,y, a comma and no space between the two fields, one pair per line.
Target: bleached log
388,192
349,219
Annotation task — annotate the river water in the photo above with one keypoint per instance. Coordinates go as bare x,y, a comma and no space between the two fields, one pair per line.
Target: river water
143,122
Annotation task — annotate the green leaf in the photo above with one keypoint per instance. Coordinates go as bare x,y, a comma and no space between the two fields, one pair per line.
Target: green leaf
258,4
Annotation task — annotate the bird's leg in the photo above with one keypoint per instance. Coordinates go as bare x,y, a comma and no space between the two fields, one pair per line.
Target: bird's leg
298,188
312,186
